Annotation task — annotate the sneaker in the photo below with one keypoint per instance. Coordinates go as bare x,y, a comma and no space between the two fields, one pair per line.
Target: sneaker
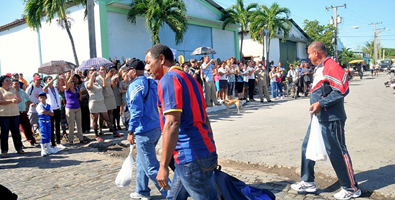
136,195
344,194
304,186
43,153
53,150
60,146
282,97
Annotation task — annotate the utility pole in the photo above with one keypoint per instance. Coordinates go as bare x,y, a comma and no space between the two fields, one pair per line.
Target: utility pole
91,29
379,45
336,22
375,42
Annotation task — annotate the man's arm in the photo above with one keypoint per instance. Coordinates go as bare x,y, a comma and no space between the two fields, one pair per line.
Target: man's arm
333,97
169,138
135,103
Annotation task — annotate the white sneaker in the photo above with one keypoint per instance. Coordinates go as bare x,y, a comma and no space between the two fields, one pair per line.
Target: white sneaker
304,186
61,147
282,97
43,153
136,195
344,194
54,150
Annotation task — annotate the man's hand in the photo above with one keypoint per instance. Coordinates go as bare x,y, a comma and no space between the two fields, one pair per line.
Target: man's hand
131,139
163,175
315,108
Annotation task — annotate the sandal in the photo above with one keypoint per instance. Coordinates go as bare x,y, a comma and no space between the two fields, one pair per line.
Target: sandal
99,139
21,152
5,155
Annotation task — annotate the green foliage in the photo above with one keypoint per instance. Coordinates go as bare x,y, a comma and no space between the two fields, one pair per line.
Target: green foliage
368,48
389,52
323,33
239,14
273,18
346,55
158,12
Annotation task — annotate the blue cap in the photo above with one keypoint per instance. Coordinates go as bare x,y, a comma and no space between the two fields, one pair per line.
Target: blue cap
42,94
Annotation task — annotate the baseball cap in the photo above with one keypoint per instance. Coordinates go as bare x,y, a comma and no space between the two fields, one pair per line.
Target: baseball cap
37,78
42,94
8,74
137,64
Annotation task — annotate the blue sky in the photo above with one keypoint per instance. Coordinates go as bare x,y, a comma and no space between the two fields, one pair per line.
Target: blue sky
357,13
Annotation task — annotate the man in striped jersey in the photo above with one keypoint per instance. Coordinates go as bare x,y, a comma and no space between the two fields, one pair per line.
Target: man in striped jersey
186,130
330,86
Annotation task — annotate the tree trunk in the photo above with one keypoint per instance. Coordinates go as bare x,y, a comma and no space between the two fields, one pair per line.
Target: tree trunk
241,46
72,42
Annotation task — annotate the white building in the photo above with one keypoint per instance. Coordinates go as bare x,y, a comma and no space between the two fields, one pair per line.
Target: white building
24,50
294,48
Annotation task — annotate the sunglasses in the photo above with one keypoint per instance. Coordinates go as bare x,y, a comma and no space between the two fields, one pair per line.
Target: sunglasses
93,70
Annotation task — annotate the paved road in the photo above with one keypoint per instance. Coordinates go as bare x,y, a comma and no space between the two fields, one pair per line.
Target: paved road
260,146
270,135
86,173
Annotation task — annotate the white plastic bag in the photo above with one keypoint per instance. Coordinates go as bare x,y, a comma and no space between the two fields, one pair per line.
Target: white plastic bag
316,147
124,176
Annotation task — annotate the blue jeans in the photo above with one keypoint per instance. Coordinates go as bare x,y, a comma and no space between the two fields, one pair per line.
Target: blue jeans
147,165
196,179
280,88
274,89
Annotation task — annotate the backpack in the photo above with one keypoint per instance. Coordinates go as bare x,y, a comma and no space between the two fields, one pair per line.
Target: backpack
231,188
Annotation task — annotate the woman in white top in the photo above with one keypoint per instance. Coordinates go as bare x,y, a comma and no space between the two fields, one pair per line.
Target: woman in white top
273,82
96,104
223,81
53,99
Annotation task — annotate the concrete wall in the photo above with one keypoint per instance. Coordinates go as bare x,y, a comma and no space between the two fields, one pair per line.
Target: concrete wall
224,43
195,8
19,45
126,39
301,50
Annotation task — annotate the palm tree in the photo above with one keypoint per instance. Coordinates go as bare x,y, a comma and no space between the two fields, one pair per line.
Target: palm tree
158,12
346,55
273,19
238,14
35,10
368,48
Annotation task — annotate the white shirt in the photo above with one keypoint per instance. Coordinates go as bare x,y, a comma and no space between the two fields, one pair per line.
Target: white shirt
292,73
252,76
225,76
53,98
33,92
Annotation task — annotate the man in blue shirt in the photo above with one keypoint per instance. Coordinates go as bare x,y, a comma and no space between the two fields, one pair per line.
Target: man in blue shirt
144,127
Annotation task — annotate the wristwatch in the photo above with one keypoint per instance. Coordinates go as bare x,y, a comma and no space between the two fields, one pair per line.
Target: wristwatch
130,133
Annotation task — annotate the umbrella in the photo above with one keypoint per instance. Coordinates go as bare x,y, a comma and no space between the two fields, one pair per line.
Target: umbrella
203,51
56,67
94,62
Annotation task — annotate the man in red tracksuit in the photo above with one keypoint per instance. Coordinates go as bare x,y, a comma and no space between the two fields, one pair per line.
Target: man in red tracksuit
330,86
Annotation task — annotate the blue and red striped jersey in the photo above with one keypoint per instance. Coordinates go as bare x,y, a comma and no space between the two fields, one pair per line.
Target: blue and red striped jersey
180,92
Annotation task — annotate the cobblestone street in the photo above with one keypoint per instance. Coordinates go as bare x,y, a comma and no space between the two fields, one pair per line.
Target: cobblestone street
83,172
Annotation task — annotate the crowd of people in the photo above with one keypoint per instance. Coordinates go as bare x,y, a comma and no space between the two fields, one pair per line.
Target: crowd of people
102,95
224,80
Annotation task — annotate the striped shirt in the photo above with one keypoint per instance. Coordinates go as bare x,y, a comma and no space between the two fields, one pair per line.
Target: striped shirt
180,92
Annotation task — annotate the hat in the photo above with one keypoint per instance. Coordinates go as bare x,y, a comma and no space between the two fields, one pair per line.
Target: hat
43,94
137,64
37,78
8,74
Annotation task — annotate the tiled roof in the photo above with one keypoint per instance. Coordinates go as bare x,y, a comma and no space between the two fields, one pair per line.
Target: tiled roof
12,24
